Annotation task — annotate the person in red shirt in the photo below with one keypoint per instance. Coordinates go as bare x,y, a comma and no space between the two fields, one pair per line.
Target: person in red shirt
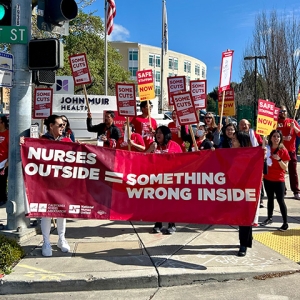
136,141
176,131
163,144
290,130
4,141
274,180
142,125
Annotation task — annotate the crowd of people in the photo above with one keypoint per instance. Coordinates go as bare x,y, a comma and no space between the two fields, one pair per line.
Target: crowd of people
144,135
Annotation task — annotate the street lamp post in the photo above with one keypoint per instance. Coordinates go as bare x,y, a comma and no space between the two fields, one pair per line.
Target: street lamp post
255,58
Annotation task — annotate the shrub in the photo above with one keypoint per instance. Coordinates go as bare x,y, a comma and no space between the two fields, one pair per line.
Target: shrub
10,253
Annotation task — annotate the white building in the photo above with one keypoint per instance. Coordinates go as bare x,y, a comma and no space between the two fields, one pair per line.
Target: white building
142,57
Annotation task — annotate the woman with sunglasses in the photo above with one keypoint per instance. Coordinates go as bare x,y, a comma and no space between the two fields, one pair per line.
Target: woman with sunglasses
163,144
68,131
213,129
55,127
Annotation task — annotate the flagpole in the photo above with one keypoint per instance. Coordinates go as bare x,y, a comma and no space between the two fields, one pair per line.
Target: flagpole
160,107
105,47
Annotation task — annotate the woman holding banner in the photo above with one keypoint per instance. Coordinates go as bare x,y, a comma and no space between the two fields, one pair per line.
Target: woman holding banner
228,132
55,128
163,144
274,181
242,139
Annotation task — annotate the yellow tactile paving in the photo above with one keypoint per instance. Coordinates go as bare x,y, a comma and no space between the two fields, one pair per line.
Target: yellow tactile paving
286,243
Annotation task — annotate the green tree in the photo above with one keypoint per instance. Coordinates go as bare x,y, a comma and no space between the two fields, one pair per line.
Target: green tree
87,36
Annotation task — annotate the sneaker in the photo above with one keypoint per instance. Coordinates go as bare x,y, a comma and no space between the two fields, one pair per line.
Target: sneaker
284,227
46,249
63,245
267,222
242,251
261,205
171,228
297,196
157,227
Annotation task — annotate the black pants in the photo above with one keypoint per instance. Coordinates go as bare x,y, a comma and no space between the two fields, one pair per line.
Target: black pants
278,188
245,236
3,186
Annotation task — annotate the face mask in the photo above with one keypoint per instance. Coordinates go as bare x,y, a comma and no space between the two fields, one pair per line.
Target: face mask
200,133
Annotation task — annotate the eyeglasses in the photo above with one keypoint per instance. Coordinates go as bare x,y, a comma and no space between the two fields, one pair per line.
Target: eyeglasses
208,117
282,111
61,125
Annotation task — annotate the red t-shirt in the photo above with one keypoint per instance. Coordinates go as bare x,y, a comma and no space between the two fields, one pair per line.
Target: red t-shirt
285,127
275,172
4,140
175,137
142,127
171,147
137,138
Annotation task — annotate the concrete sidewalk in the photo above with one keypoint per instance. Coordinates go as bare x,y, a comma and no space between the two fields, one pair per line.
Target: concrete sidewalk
124,255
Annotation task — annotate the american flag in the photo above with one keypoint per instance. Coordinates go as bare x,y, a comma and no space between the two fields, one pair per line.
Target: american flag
111,13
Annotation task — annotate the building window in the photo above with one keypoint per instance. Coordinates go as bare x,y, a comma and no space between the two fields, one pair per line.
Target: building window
203,72
171,74
187,66
188,79
133,71
175,63
157,76
171,63
133,55
151,60
157,61
197,69
157,90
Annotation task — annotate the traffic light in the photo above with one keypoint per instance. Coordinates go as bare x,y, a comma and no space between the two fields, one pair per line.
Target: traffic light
54,15
5,13
45,54
43,77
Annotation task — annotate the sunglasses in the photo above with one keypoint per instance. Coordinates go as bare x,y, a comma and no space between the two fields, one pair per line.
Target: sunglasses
282,111
61,125
64,120
208,117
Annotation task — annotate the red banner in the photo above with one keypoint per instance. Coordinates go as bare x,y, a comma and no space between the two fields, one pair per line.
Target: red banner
84,181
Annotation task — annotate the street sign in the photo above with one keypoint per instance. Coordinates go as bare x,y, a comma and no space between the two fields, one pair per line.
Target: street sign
6,69
13,34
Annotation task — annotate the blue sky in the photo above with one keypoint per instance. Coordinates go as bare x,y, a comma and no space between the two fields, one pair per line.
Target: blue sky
202,29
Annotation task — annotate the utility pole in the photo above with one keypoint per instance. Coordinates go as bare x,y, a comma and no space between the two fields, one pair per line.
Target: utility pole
255,58
19,118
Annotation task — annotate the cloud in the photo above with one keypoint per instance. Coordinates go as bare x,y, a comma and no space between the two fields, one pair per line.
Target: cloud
297,52
119,33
